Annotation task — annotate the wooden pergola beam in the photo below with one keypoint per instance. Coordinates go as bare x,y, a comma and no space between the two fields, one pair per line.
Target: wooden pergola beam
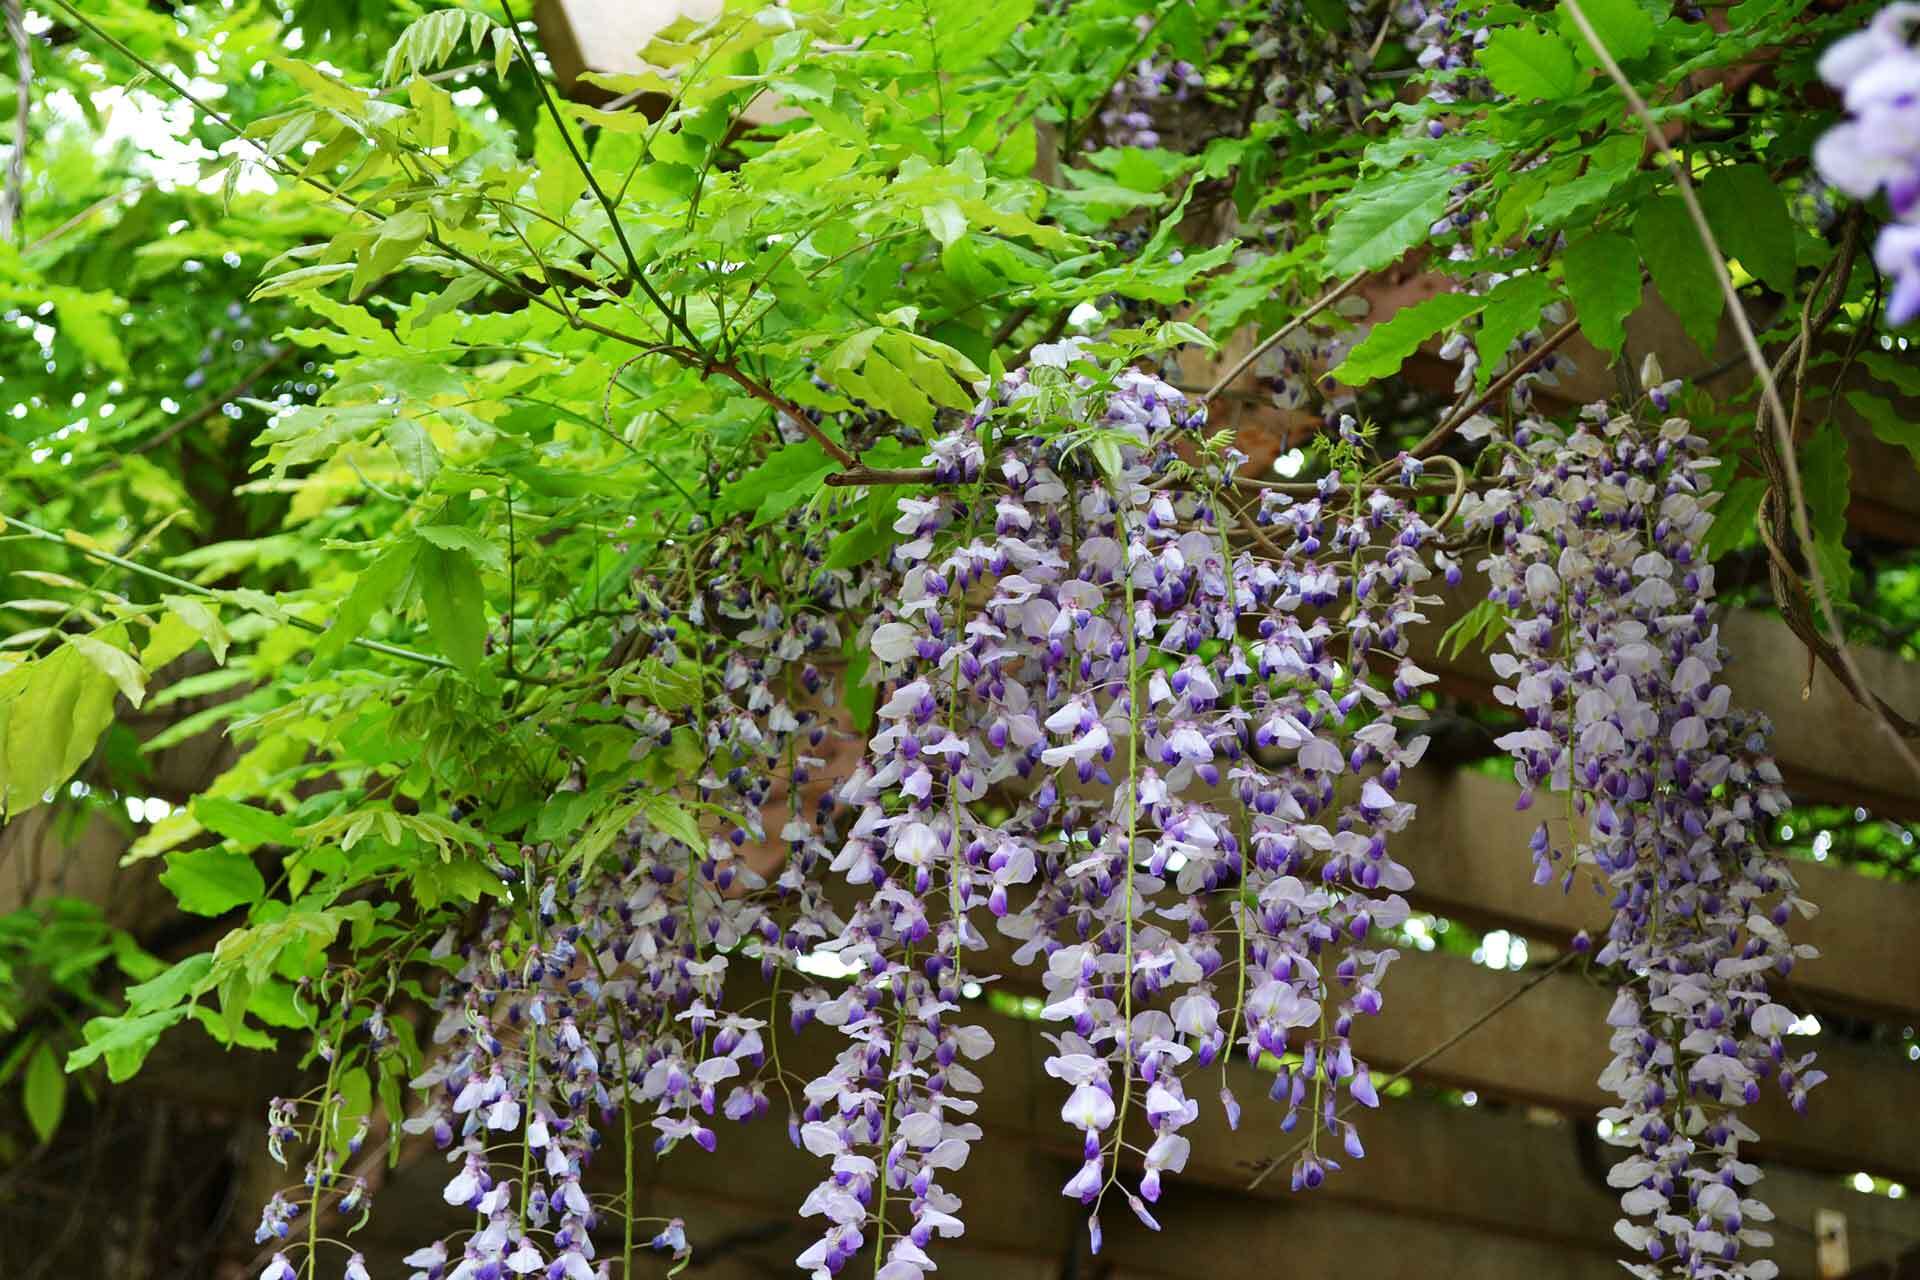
1468,853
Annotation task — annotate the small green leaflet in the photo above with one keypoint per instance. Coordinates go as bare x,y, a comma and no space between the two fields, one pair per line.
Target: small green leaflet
212,882
415,449
857,546
1603,278
1682,272
123,1042
790,475
1827,477
1887,425
902,373
458,537
1389,343
1386,215
245,826
1486,622
116,663
43,1092
668,816
455,603
1526,62
1609,163
1733,517
372,588
200,616
1513,307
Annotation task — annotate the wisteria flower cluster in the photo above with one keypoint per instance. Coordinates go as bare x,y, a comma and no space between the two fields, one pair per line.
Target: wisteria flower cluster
1877,148
1667,791
1157,755
1147,100
1139,729
595,997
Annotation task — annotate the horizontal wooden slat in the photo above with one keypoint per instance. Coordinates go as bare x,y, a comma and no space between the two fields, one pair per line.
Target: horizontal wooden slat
1468,853
1551,1045
1830,748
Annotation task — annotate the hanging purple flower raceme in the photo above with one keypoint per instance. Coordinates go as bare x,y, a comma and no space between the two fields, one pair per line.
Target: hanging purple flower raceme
1331,683
1877,148
592,999
1178,726
1615,666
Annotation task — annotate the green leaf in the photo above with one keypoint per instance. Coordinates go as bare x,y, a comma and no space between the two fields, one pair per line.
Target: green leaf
1384,216
52,712
1486,622
44,1092
1887,425
1681,269
184,979
212,882
1608,164
455,602
457,537
789,476
902,373
1827,479
246,826
857,546
119,665
1389,343
200,616
1733,515
124,1042
1748,214
90,322
395,241
372,589
1623,26
414,447
668,686
301,278
1513,307
1526,63
1603,278
1904,374
668,816
945,222
439,883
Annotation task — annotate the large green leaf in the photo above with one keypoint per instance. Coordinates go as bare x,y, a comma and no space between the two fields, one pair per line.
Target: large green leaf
212,882
1603,278
1682,271
1748,214
52,712
1385,216
1389,343
1526,62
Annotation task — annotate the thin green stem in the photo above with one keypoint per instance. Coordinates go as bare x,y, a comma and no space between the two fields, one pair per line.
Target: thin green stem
194,588
634,272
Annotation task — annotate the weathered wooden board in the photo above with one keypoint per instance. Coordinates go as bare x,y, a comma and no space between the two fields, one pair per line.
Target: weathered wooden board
1468,852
